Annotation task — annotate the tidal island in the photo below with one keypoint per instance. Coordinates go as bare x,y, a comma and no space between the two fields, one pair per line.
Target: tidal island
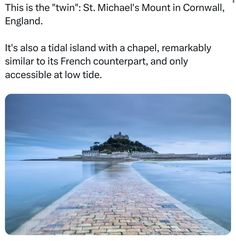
120,147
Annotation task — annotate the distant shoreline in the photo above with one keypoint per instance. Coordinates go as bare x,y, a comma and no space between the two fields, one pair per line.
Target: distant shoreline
177,158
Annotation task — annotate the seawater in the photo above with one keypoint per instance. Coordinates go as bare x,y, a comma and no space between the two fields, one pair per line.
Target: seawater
203,185
33,185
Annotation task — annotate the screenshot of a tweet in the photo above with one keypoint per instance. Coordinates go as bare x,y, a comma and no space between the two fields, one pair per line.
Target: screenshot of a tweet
117,119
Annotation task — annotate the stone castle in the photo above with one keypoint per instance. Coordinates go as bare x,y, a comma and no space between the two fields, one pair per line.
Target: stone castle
119,136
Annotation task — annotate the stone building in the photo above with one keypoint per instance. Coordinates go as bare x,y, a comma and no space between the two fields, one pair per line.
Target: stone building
90,153
119,136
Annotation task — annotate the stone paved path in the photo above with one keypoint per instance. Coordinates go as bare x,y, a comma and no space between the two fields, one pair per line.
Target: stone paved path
115,201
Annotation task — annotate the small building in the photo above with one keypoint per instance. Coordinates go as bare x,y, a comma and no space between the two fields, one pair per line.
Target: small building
119,136
139,154
90,153
119,154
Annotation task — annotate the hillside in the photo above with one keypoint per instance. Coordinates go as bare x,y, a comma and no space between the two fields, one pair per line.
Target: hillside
121,145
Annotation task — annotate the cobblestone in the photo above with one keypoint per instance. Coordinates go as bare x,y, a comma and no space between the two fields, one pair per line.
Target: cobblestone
115,201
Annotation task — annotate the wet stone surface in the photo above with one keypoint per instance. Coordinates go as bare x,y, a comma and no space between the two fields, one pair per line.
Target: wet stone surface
116,201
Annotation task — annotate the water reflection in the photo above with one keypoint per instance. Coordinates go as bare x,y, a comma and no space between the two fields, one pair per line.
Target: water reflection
33,185
203,185
90,168
115,170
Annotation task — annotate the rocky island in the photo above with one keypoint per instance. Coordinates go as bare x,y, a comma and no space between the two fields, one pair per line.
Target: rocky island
120,147
120,143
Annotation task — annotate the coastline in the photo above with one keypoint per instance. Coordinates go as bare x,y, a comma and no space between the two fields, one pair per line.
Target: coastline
131,159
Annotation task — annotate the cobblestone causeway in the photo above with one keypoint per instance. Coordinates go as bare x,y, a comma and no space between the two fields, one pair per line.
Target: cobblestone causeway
116,201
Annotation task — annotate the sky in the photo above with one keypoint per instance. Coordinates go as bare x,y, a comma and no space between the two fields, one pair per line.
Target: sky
48,126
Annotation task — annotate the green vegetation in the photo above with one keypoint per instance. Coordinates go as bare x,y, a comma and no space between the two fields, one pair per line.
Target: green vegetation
121,145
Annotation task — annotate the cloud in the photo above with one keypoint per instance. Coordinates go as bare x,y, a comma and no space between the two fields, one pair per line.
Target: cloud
168,123
16,134
194,146
37,152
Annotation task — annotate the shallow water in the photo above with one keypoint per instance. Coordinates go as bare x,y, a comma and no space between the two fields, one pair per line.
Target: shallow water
33,185
203,185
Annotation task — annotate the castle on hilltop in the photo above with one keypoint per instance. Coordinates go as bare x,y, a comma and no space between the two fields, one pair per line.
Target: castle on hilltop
118,146
119,136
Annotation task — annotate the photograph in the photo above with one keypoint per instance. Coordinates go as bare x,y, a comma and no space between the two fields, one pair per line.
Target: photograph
117,164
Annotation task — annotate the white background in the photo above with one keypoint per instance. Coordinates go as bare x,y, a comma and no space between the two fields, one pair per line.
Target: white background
212,73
